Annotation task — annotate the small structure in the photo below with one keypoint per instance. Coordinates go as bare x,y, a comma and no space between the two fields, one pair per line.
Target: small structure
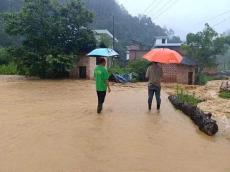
182,73
135,51
85,66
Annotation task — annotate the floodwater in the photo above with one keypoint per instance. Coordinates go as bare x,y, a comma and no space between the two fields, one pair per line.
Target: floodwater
51,126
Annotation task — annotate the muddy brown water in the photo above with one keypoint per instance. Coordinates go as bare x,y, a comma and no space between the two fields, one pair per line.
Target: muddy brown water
51,126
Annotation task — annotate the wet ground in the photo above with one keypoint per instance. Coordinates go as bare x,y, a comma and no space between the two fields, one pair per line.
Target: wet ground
51,126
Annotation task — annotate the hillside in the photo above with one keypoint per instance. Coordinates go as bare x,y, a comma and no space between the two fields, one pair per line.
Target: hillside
127,27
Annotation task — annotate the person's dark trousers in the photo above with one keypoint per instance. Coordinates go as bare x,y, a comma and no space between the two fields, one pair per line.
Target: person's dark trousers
101,98
153,89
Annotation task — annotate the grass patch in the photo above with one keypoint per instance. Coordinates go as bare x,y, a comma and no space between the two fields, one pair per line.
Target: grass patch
185,97
225,94
10,69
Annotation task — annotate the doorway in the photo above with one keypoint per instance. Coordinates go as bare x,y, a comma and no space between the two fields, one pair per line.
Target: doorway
82,72
190,78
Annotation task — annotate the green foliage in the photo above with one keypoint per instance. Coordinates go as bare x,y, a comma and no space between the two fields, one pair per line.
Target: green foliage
184,97
127,27
138,67
117,70
9,69
106,41
200,46
204,47
205,78
51,33
5,57
225,94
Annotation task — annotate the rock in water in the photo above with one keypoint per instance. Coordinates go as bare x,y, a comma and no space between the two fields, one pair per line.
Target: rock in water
225,86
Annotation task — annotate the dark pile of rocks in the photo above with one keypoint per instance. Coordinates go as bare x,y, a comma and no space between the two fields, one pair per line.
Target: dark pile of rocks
225,86
201,119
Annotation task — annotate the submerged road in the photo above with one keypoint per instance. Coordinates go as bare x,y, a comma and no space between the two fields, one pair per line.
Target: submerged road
52,126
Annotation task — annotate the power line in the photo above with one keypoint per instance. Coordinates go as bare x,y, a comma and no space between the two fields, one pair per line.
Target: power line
215,17
163,11
226,19
156,6
150,6
158,10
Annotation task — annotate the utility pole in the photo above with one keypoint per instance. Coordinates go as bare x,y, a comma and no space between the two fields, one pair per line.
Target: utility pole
113,32
111,64
11,6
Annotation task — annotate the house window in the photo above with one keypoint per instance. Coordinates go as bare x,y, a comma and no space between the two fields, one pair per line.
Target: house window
163,41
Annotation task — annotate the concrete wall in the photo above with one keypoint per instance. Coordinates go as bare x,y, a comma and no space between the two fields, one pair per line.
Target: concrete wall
89,63
92,65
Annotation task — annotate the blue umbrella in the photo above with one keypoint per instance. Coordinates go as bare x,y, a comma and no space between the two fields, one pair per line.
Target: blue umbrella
103,52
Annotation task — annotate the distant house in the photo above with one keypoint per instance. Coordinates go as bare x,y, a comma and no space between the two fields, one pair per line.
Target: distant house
135,51
162,42
104,36
85,66
182,73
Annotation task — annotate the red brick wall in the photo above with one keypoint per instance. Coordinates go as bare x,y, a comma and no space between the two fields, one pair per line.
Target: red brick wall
182,73
169,73
177,73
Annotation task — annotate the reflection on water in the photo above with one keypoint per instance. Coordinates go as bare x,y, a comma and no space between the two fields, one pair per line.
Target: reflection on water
53,126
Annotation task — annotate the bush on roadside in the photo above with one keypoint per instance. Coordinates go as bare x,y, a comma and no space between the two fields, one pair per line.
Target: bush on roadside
9,69
138,67
203,79
117,70
185,97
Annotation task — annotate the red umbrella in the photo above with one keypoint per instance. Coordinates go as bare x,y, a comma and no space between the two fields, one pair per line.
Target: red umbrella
163,55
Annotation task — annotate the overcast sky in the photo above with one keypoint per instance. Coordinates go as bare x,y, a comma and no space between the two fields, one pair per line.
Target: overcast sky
183,16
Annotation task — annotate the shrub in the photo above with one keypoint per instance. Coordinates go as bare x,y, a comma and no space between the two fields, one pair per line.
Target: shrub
10,69
5,57
203,79
225,94
184,97
138,67
117,69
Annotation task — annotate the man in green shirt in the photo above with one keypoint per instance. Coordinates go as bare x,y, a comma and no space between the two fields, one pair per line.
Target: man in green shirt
101,76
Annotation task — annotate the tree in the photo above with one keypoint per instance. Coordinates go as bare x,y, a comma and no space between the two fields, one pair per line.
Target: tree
53,34
174,39
203,48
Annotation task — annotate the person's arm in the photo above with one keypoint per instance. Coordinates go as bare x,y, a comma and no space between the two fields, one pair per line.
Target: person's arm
106,74
108,86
